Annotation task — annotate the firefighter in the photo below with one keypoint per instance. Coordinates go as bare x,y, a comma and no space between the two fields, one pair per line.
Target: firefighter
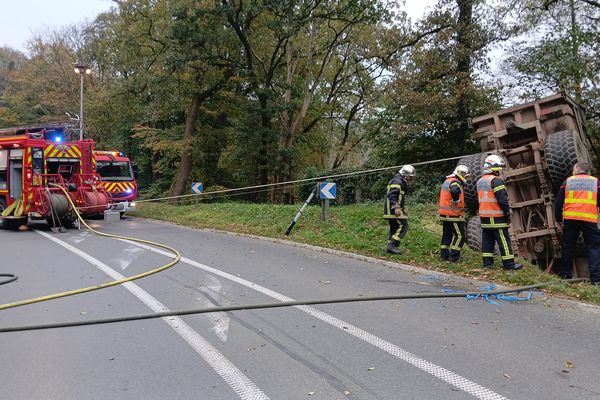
494,214
452,214
577,205
393,207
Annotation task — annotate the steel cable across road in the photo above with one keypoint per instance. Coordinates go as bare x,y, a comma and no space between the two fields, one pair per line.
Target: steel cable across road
102,285
295,182
278,305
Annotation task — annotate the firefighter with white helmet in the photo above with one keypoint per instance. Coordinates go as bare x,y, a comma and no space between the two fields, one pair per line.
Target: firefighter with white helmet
393,207
494,213
452,214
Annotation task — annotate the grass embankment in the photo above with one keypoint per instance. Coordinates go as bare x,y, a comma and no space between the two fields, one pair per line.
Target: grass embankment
357,229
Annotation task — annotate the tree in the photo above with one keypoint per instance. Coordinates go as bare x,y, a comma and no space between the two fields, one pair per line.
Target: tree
436,88
289,48
559,52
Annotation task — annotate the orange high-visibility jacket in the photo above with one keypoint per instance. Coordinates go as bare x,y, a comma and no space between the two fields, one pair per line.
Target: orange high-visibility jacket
446,209
581,198
488,204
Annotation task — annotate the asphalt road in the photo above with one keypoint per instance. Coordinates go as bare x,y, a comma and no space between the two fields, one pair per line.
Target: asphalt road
413,349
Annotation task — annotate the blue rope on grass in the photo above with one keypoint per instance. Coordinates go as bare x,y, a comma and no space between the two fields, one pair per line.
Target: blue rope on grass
493,297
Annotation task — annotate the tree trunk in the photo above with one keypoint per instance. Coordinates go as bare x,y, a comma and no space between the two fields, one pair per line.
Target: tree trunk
463,69
185,166
575,53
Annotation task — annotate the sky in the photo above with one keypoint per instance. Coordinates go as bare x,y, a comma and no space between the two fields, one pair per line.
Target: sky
21,19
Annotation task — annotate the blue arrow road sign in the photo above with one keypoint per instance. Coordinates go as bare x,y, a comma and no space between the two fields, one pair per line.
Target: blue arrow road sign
327,190
197,187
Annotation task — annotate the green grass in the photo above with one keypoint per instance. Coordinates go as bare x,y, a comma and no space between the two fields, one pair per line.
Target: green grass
357,229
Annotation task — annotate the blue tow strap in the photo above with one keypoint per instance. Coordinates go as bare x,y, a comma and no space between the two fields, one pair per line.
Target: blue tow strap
491,298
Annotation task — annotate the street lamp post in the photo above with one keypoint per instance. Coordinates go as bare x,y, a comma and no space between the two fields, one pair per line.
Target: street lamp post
81,69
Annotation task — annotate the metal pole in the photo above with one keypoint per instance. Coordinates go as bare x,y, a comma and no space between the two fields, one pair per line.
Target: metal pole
325,209
299,214
81,105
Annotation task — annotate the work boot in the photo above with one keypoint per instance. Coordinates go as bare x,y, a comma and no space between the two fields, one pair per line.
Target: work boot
393,247
444,254
565,274
513,267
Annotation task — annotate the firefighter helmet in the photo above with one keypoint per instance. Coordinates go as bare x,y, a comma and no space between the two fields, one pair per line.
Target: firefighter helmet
462,171
493,163
408,171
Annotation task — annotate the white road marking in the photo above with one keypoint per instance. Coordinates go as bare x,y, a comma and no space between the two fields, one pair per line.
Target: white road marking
442,373
131,253
235,378
219,321
80,237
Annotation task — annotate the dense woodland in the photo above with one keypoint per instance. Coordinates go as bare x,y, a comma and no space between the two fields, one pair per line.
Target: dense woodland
235,93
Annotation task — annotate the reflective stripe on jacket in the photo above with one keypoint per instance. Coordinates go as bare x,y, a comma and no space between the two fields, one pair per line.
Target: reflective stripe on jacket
447,207
394,198
488,204
581,198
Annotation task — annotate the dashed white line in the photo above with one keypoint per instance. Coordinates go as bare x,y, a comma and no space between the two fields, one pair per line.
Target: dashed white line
235,378
442,373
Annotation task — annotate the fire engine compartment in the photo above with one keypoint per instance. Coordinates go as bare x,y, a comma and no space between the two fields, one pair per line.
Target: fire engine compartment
36,163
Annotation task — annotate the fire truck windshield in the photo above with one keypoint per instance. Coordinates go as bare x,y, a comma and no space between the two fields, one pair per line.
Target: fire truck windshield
114,171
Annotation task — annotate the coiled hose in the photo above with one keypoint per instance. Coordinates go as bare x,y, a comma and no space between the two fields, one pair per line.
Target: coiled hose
102,285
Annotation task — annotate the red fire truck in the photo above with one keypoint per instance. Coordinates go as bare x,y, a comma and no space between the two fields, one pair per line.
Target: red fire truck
118,176
36,163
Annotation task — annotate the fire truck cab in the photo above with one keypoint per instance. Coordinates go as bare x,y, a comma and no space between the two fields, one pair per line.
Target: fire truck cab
118,176
39,166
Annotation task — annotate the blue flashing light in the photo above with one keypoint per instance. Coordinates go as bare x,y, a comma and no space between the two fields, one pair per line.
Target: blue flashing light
129,191
58,139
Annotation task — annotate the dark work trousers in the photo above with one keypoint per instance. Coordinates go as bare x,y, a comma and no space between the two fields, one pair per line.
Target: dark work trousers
591,237
489,238
454,236
398,229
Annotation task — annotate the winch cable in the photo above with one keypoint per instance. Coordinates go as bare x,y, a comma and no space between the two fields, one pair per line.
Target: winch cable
278,305
10,278
299,181
174,261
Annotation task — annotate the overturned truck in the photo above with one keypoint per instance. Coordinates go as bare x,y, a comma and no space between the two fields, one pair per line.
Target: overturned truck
540,141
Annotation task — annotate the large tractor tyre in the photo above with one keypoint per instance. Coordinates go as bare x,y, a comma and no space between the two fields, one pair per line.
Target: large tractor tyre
561,156
474,233
475,164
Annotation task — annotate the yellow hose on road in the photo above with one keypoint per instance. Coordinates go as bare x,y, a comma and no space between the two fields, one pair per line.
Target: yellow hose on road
102,285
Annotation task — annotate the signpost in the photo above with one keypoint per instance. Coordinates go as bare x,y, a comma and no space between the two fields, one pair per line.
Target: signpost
327,191
197,188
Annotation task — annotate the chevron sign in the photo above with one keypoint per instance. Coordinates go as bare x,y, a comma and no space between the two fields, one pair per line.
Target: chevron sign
327,190
197,187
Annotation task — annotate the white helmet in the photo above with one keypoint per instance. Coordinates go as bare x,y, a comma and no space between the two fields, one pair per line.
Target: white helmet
462,171
493,163
407,171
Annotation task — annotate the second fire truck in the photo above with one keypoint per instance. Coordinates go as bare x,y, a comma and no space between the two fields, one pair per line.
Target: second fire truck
118,176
